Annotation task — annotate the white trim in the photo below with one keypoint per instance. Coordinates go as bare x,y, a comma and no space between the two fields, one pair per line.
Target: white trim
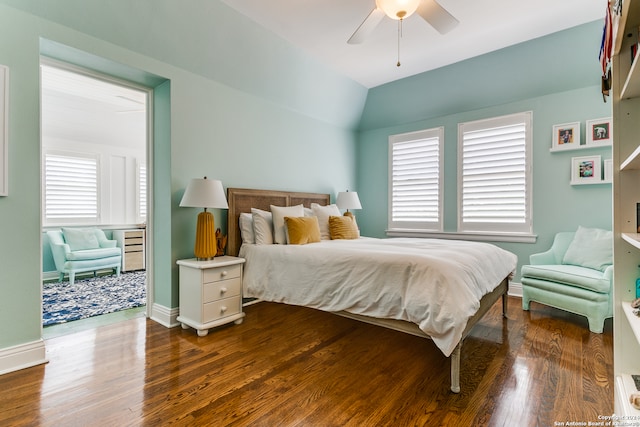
22,356
515,289
166,316
480,236
4,130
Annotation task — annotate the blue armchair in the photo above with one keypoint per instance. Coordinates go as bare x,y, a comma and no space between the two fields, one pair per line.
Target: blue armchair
78,250
574,275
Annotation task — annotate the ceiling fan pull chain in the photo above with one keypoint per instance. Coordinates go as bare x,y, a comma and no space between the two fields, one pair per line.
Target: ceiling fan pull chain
399,35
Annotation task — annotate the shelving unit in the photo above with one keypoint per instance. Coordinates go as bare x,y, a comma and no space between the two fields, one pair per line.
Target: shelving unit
626,193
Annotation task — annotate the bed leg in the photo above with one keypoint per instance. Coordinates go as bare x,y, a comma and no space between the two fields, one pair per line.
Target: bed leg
455,368
505,300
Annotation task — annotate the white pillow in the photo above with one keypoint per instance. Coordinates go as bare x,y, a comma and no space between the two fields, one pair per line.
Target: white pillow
262,226
279,228
591,248
323,213
246,228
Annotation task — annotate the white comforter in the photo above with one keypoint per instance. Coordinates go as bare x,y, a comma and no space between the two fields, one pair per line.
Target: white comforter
436,284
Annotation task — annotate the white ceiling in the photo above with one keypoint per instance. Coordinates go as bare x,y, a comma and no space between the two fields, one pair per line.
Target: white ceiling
80,108
322,28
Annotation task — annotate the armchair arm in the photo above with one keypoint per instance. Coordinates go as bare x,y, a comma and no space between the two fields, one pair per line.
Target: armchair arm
546,257
103,241
608,274
108,243
59,252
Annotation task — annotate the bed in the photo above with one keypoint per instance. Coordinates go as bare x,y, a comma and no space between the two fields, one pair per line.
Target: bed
432,288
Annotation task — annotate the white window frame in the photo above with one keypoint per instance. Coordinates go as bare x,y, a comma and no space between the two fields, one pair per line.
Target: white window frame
71,219
510,226
419,225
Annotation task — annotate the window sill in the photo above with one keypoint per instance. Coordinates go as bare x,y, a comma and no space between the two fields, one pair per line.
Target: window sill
479,236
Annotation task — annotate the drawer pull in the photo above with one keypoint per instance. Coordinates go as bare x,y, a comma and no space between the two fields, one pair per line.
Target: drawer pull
224,273
223,291
223,309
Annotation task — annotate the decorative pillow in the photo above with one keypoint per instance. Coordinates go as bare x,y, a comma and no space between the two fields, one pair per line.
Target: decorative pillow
80,239
279,212
302,230
591,248
246,228
342,227
262,226
323,213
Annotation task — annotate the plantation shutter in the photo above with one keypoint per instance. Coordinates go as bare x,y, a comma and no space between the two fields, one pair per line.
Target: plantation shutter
493,174
415,180
71,188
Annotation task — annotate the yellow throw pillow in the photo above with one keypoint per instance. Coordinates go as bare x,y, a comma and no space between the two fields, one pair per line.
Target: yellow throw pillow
302,230
343,227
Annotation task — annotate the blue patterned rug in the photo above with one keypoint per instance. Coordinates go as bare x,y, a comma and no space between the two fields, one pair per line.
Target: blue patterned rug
62,302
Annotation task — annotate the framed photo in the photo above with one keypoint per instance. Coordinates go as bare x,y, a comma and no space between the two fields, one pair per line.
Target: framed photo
599,131
4,141
566,136
586,170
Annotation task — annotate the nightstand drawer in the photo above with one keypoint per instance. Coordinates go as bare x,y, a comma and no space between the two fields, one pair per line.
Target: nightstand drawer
221,289
221,273
133,248
134,261
221,308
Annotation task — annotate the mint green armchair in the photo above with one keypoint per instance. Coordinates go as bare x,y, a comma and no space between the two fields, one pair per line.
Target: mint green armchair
80,250
580,283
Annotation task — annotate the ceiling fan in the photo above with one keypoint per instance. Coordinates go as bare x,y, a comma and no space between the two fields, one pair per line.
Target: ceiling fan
429,10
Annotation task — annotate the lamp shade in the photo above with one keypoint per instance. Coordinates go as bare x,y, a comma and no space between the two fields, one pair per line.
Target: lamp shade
398,9
204,193
348,200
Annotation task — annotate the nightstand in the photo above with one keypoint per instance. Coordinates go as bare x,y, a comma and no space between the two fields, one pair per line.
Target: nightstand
210,293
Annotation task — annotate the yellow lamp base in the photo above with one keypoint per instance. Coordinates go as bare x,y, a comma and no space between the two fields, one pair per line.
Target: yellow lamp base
206,244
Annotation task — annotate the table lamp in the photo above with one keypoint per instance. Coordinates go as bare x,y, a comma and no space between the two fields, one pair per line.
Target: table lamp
205,193
348,200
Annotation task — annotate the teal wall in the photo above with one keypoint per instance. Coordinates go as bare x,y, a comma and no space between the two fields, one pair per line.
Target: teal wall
289,126
254,111
516,79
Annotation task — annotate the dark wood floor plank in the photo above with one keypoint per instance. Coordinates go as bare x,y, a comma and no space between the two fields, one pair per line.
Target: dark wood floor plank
293,366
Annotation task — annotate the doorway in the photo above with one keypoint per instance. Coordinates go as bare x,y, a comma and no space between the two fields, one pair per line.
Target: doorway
94,144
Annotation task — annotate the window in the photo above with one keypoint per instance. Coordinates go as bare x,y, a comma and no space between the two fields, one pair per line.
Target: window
415,173
494,178
71,188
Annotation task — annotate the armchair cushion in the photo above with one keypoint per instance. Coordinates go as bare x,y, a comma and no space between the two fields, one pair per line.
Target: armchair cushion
571,275
591,248
91,254
80,239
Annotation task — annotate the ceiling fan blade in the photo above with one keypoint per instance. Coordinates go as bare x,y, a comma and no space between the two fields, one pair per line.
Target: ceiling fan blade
367,26
437,16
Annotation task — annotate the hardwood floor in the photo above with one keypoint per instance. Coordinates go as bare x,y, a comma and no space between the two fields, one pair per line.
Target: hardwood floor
293,366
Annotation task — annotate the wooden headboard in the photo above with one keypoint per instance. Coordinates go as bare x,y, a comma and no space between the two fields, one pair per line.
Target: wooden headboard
242,200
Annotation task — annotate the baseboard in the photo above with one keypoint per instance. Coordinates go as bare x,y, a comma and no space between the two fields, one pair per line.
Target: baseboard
22,356
165,316
515,289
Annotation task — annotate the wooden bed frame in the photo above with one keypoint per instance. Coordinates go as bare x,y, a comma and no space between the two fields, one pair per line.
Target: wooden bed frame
242,200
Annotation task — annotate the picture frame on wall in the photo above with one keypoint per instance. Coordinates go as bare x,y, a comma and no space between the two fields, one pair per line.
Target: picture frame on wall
586,170
599,132
4,141
566,136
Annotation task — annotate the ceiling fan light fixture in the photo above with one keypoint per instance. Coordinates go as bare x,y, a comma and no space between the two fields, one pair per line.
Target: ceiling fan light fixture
398,9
